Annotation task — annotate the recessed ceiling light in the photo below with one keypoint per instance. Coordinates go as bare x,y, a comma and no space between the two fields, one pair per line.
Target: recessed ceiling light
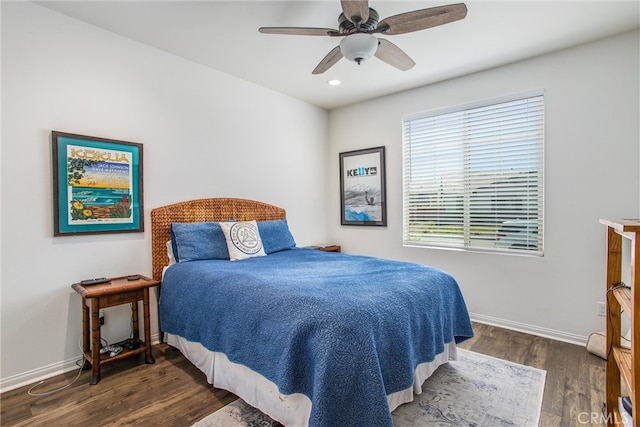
334,82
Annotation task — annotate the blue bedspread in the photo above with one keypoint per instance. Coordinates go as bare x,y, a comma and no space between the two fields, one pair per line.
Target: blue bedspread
344,330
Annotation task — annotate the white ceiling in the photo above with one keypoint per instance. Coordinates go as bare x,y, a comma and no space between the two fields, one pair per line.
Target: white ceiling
224,35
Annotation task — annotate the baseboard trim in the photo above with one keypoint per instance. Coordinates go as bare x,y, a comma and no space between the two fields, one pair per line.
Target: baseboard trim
46,372
38,374
530,329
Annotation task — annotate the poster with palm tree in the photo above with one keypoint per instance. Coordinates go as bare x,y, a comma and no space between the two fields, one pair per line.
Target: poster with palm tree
97,185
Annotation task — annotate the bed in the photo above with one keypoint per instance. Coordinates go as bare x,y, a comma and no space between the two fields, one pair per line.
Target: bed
308,337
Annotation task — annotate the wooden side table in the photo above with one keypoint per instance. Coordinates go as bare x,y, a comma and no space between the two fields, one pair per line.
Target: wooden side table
329,248
118,290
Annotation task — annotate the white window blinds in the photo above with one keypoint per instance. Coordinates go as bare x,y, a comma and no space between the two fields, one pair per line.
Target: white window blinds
473,178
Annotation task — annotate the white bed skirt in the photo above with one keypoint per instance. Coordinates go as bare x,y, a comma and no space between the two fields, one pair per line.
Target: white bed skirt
292,410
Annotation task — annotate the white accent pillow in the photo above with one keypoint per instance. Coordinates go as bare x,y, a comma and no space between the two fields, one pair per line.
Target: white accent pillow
243,239
172,258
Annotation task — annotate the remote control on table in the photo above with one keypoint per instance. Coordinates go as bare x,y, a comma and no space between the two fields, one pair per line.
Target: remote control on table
95,281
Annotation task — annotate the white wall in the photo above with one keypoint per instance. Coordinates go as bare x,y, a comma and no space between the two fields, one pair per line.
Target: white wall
592,153
205,134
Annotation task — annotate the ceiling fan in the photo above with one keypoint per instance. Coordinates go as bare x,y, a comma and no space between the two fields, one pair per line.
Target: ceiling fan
357,25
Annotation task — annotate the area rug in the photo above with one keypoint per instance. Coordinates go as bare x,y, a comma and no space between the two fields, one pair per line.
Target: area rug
476,390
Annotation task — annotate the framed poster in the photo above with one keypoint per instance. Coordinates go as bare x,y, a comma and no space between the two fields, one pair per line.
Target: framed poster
363,199
97,185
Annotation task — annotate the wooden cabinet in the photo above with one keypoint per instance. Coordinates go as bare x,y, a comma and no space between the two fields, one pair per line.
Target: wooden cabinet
622,300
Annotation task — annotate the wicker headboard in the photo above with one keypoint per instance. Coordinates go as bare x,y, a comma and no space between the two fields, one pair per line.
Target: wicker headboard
201,210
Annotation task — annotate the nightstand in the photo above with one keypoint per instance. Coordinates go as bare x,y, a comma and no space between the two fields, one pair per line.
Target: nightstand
327,248
117,291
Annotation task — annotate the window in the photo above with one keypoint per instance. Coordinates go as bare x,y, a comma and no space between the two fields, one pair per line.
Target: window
473,177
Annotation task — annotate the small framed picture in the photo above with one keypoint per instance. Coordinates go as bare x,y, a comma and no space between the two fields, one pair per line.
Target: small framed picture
97,185
363,198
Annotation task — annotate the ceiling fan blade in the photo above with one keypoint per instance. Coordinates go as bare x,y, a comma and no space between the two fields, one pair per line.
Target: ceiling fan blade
299,31
353,9
393,55
328,61
422,19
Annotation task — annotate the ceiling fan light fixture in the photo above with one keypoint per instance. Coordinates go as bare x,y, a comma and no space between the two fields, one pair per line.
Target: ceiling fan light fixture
358,47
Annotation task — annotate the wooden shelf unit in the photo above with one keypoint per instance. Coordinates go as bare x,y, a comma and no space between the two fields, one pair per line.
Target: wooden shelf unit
622,362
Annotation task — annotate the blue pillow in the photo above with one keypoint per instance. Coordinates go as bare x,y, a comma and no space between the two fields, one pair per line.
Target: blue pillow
275,236
198,240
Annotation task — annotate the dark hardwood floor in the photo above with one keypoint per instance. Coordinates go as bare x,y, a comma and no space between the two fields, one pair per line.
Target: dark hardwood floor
172,392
